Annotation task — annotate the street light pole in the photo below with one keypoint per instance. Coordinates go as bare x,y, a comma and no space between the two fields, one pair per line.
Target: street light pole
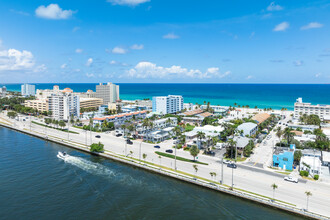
232,178
175,157
221,171
140,151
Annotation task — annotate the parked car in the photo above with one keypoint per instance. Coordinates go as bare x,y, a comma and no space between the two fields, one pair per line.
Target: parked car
157,146
226,161
128,141
232,165
291,179
98,136
169,151
118,135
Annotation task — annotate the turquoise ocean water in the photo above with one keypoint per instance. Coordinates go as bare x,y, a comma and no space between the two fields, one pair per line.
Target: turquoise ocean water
274,96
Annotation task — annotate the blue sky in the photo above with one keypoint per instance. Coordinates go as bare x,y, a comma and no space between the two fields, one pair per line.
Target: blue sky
165,41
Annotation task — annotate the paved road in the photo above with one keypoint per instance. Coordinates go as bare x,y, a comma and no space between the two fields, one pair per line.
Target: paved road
244,178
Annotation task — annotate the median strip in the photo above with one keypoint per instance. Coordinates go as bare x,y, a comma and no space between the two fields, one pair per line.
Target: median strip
179,158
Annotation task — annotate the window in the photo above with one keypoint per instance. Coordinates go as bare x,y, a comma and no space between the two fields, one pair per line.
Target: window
285,159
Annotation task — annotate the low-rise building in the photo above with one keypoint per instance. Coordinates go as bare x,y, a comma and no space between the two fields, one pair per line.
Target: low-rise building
165,122
283,157
303,127
261,117
311,164
248,128
90,102
41,105
326,158
217,109
120,118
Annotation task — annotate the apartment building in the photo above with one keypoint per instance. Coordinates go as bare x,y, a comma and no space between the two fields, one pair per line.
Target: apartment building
64,105
167,104
108,92
301,108
28,90
90,102
40,104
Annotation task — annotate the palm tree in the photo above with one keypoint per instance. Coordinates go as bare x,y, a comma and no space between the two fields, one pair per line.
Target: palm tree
200,136
308,194
131,153
160,161
196,169
144,157
288,135
279,134
274,186
232,144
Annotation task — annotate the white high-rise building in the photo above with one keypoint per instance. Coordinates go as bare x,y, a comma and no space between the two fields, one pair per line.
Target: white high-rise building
108,92
64,105
167,104
28,90
301,108
3,91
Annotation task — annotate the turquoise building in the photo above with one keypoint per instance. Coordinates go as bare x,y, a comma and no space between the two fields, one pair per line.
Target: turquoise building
283,157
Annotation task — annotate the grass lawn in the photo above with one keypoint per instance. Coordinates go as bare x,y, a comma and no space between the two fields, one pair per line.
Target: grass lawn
179,158
189,127
73,132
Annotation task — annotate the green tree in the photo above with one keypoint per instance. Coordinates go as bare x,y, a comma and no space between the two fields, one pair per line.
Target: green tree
194,151
97,147
196,169
144,157
200,136
297,156
12,114
61,124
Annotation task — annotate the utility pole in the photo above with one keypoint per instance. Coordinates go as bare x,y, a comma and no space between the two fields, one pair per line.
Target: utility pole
140,151
86,136
125,147
176,146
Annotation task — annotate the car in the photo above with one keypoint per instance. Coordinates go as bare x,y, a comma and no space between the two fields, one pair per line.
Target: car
128,141
226,161
157,146
232,165
280,123
291,179
98,136
169,151
118,135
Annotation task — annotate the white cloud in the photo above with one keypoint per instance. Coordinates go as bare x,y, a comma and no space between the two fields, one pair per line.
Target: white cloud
311,25
13,59
78,50
249,77
318,75
75,29
89,62
40,68
171,36
53,11
63,66
150,70
19,12
90,75
128,2
298,63
113,62
282,26
274,7
137,47
119,50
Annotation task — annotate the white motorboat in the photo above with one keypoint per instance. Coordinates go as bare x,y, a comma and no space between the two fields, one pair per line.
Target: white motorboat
62,155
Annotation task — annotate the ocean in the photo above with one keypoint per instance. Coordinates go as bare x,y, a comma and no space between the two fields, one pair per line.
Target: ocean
274,96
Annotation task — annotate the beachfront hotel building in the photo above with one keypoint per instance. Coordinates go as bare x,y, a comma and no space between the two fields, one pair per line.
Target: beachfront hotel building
90,102
40,104
64,105
108,92
28,90
3,91
167,104
301,108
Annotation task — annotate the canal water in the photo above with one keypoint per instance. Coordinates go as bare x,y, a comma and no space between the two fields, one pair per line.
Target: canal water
35,184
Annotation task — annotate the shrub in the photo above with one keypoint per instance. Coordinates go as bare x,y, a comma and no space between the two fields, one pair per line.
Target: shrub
97,147
316,177
304,173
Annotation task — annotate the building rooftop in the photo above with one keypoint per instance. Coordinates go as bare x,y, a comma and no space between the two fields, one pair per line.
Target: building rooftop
247,126
261,117
205,114
193,112
325,156
241,142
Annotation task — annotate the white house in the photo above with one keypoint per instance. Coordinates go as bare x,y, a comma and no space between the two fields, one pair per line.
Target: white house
311,164
248,128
